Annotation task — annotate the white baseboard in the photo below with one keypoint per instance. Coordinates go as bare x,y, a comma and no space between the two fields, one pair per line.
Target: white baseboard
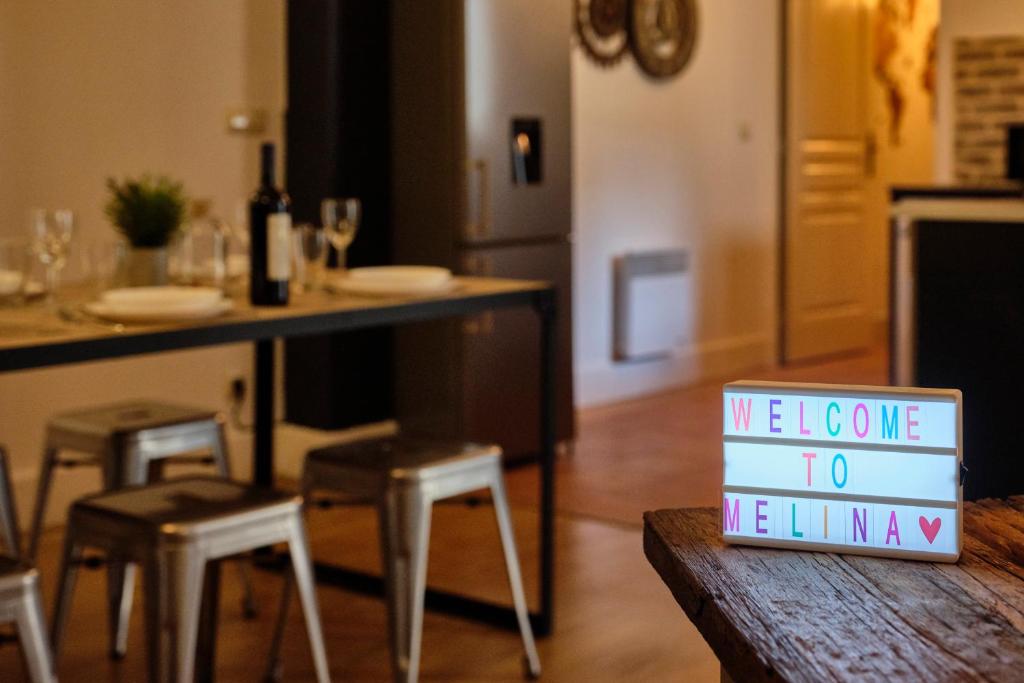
613,382
290,445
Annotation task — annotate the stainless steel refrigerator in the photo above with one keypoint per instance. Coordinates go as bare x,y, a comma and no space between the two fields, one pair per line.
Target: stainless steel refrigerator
480,183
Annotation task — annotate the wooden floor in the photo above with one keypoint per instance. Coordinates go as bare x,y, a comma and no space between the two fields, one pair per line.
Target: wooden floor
614,620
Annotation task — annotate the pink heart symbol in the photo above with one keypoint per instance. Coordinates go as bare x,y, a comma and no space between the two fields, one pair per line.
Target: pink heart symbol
930,529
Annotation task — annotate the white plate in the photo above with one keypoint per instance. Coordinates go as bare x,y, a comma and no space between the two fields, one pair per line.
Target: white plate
162,297
151,314
413,276
348,285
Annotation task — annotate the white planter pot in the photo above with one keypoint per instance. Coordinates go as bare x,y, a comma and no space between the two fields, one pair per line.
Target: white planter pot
144,267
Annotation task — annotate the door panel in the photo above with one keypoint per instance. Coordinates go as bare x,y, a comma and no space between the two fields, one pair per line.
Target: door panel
515,74
502,352
825,308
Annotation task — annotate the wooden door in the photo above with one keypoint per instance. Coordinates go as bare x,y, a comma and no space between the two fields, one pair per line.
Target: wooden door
825,308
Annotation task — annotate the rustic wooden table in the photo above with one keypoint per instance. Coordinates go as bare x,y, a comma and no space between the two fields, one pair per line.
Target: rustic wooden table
773,615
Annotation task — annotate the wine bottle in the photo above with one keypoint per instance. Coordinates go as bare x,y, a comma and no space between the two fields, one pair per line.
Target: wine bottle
270,226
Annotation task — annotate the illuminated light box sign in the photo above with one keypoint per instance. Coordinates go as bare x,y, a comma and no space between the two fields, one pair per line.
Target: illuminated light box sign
841,468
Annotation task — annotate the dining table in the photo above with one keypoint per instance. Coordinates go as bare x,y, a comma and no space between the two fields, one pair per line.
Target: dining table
41,335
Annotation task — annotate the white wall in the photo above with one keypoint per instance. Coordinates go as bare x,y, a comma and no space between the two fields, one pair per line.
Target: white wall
114,87
959,19
688,162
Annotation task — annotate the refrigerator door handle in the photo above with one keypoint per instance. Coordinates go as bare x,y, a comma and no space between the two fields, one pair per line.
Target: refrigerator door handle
480,213
482,266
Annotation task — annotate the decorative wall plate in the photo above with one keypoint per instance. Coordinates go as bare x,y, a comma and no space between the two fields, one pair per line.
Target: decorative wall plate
602,26
663,35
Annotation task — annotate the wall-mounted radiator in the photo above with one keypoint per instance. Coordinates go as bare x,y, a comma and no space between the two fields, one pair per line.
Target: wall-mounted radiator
653,304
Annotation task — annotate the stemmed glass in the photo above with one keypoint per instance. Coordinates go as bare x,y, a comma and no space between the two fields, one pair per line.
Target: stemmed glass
341,221
51,234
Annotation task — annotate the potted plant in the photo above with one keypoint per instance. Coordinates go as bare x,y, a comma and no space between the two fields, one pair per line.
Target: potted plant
148,212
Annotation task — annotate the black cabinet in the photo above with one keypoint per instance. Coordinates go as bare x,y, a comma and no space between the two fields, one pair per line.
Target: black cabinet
337,137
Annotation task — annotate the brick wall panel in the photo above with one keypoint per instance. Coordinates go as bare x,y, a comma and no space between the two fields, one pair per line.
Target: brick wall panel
989,95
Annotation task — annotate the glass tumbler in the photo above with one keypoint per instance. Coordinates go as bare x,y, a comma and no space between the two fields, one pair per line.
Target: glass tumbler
309,251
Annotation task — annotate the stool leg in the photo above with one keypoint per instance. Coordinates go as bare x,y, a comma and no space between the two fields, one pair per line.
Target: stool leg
515,579
35,646
8,516
302,568
405,536
222,460
42,493
69,562
174,582
120,595
155,609
206,647
274,669
156,470
120,574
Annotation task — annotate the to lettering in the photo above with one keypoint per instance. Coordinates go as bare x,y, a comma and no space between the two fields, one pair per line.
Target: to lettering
839,458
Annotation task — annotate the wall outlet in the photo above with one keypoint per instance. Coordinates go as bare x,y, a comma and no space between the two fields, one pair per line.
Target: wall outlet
237,390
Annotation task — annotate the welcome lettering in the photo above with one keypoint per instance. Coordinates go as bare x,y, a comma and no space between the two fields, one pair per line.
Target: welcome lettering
869,420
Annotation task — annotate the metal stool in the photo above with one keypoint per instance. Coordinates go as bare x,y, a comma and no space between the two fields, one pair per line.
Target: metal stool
173,529
406,477
19,590
20,603
131,441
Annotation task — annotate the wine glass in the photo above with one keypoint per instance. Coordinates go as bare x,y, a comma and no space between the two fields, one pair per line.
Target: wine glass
341,221
51,234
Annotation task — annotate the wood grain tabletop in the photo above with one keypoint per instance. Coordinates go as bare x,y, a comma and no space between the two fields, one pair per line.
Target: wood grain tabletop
773,615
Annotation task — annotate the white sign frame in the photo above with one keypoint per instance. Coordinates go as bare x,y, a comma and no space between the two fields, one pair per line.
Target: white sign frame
840,392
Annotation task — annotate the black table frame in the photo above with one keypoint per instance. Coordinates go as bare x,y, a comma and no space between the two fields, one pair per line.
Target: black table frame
543,300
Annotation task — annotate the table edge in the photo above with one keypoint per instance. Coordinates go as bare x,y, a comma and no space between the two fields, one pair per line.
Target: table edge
538,294
736,655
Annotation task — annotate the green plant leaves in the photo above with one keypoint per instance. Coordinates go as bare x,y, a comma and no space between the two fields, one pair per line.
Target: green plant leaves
148,211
